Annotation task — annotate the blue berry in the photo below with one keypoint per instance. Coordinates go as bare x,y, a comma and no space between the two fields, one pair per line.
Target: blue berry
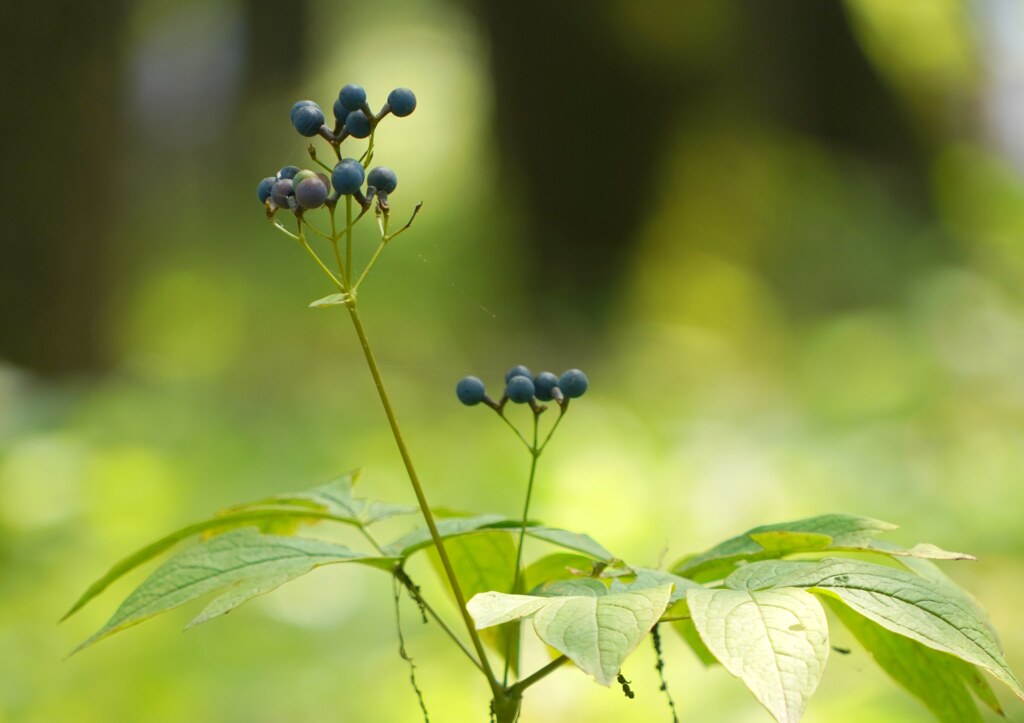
298,105
352,97
307,119
402,102
311,192
281,191
517,371
340,112
357,124
287,172
573,383
383,179
545,384
266,186
470,391
348,176
519,389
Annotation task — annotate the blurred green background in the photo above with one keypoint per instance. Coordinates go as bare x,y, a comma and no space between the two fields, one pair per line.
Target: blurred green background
784,239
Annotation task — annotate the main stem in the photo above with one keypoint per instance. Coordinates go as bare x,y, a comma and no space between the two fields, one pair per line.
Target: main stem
460,600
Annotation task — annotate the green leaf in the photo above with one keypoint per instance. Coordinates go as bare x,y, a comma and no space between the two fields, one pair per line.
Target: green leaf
833,532
331,300
937,679
775,641
557,566
485,561
244,562
448,527
576,541
688,632
647,577
913,606
596,629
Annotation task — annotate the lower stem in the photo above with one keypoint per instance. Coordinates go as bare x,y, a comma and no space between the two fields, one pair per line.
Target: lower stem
460,600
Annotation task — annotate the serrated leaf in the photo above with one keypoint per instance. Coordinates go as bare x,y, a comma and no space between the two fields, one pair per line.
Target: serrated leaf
482,562
596,631
833,532
329,301
939,680
248,562
913,606
775,641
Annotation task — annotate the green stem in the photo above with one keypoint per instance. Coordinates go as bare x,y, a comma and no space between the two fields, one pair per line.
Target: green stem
320,263
348,234
428,516
369,265
534,457
544,672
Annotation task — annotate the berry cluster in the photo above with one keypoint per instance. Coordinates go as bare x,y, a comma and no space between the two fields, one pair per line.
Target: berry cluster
301,190
521,387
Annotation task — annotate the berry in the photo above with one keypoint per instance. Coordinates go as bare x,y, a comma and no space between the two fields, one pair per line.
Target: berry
470,391
402,102
340,112
517,371
298,105
573,383
281,191
383,179
302,176
348,176
519,389
545,384
307,119
311,192
352,97
266,186
287,172
357,124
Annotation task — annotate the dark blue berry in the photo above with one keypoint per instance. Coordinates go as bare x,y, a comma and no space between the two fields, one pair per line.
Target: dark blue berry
402,101
298,105
307,119
470,391
573,383
357,124
383,179
281,191
519,389
517,371
340,112
545,384
311,192
348,176
352,97
287,172
266,186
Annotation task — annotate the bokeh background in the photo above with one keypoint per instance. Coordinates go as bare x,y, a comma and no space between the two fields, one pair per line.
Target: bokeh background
783,238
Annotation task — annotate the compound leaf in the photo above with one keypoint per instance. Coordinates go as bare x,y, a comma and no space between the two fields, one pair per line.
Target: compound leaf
775,641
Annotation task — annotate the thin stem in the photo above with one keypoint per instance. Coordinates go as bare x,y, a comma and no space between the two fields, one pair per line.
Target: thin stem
428,516
672,618
534,457
562,408
369,265
348,234
536,677
511,426
315,230
286,232
319,262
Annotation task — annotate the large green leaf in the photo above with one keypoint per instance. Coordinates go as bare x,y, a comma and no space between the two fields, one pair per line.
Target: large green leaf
243,563
775,641
908,604
645,577
576,541
556,566
831,532
939,680
593,627
482,562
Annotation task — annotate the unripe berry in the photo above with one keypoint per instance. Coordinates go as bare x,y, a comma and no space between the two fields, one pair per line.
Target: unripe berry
307,119
402,102
352,97
348,176
302,176
287,172
573,383
266,186
519,389
383,179
281,191
357,124
311,192
517,371
545,384
470,391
